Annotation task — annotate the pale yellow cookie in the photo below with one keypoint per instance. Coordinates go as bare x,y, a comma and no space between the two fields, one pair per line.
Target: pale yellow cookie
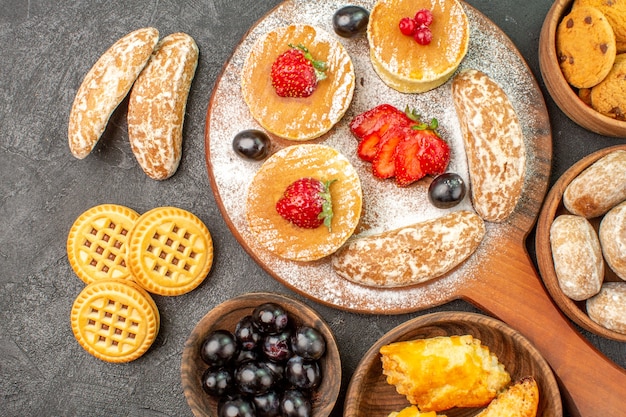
609,97
115,320
585,46
96,243
170,251
615,12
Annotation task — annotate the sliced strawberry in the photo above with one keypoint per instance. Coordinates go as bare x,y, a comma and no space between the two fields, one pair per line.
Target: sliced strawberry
368,147
407,160
399,143
383,165
371,126
373,120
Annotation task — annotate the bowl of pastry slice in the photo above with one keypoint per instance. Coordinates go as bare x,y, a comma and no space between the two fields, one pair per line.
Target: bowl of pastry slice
453,364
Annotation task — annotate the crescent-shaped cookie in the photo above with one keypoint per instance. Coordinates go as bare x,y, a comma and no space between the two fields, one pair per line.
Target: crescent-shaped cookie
411,254
494,144
156,108
105,86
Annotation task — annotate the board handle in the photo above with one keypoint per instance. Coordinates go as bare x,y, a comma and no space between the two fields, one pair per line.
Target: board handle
510,289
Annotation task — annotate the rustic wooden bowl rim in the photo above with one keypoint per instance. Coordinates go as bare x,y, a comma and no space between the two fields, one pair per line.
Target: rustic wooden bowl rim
560,91
552,206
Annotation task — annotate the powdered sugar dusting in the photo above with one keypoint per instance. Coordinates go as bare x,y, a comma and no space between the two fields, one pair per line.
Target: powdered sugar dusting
385,206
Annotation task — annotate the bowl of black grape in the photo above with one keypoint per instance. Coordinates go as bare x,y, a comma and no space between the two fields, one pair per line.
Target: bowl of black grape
261,354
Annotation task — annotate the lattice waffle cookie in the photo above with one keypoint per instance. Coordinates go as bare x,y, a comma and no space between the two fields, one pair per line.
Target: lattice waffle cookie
115,320
96,243
170,251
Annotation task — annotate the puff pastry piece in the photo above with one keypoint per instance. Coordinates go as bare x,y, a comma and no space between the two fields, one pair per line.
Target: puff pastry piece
444,372
519,400
105,86
412,411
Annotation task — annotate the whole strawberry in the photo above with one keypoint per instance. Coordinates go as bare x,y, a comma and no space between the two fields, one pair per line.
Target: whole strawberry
307,203
295,73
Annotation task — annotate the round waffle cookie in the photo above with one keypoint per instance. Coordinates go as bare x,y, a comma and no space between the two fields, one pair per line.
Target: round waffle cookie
96,243
115,320
170,251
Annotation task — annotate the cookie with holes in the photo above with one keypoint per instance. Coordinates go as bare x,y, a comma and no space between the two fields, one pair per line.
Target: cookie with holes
170,251
115,320
96,242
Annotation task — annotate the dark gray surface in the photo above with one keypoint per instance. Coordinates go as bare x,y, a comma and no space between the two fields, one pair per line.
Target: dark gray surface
47,47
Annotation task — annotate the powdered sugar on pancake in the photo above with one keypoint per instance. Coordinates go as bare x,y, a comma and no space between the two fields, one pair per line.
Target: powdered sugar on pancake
385,206
304,118
277,173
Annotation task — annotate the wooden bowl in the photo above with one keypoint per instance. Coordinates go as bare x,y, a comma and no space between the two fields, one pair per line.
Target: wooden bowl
225,316
553,207
370,395
562,93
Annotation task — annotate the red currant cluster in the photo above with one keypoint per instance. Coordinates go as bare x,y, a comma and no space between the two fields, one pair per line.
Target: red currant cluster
418,26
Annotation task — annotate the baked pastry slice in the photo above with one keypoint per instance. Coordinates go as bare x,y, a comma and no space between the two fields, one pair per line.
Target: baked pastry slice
412,254
443,372
157,103
519,400
494,144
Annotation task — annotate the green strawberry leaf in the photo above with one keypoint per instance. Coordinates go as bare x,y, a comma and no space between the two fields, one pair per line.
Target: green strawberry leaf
327,205
419,125
319,66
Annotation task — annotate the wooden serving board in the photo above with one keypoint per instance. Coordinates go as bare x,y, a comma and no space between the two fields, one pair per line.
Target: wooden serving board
499,278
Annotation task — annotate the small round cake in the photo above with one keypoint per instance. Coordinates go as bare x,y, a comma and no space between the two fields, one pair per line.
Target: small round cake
298,118
406,65
280,236
585,46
